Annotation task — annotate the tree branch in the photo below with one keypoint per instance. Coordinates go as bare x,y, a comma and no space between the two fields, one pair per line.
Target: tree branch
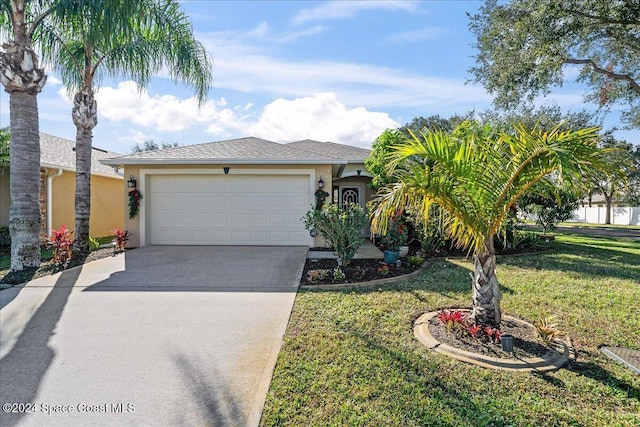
602,19
633,85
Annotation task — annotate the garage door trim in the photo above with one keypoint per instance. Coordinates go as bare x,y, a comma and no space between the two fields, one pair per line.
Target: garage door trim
216,171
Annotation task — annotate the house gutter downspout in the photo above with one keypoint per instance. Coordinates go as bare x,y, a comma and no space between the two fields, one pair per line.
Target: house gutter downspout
50,200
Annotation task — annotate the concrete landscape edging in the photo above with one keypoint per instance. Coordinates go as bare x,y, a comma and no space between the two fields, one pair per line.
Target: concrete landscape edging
554,359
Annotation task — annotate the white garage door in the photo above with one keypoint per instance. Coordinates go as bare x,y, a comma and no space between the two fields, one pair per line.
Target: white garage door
228,209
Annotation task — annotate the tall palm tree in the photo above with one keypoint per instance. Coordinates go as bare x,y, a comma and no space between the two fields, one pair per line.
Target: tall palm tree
476,177
23,79
134,39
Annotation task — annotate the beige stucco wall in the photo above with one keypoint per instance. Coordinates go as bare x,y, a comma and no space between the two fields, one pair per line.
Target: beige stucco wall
5,200
107,205
133,225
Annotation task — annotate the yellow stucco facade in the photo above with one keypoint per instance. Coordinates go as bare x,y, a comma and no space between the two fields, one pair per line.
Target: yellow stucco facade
107,205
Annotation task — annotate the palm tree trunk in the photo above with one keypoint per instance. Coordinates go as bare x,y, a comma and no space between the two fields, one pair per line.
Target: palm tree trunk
24,181
608,198
23,80
85,118
486,290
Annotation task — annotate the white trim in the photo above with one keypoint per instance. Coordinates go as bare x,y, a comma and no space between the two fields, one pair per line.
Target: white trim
351,174
50,201
213,161
142,179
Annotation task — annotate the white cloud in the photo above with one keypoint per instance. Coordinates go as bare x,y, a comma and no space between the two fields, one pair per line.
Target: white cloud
321,117
137,137
244,68
165,113
342,9
430,33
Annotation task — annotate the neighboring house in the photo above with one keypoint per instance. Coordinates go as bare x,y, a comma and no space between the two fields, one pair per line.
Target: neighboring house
57,189
246,191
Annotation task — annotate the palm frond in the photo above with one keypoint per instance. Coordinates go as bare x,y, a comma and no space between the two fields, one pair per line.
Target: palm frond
477,175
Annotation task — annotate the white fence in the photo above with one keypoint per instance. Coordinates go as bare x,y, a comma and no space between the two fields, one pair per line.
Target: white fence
597,215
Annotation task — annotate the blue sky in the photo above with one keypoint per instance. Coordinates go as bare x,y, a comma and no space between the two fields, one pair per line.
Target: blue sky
290,70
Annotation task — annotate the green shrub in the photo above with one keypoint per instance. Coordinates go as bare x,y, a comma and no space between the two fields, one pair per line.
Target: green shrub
94,244
340,227
5,236
415,260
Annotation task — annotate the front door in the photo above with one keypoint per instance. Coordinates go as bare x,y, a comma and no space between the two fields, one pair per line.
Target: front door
349,195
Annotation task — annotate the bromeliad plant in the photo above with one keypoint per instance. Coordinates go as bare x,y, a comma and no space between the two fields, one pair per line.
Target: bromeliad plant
459,322
61,242
121,238
476,175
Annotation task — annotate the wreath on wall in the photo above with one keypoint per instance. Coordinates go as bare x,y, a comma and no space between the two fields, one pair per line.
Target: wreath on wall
134,202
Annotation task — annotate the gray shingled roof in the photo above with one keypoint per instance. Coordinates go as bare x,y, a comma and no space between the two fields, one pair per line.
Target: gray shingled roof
339,151
243,150
58,152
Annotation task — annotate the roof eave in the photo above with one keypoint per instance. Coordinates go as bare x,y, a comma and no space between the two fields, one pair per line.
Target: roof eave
68,169
118,162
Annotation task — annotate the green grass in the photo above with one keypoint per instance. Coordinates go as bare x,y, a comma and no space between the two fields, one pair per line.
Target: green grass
350,357
585,225
5,260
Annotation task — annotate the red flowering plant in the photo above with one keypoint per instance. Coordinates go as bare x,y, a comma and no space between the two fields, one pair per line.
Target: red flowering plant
134,202
121,238
396,233
457,321
61,242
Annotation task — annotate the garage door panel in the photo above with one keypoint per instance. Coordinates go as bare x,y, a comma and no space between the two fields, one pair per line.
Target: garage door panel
228,209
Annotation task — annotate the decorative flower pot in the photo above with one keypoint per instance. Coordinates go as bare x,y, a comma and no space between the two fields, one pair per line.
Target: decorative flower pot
404,251
390,257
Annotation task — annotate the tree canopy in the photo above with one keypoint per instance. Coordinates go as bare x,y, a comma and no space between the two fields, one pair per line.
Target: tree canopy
524,47
151,145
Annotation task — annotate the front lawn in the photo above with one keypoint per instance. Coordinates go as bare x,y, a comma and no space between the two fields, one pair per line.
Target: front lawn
350,357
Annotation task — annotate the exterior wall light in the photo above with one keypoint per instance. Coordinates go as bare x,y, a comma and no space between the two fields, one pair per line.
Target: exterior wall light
132,183
320,183
359,171
226,170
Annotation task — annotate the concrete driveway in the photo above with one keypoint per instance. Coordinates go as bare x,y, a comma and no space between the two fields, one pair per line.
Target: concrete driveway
159,336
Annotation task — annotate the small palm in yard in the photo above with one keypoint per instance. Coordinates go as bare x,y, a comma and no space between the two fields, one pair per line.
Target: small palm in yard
476,176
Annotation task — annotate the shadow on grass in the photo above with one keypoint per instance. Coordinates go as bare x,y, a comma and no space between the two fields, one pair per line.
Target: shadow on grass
608,259
597,373
30,357
414,371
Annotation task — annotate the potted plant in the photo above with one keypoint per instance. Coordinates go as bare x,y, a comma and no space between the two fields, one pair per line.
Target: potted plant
396,236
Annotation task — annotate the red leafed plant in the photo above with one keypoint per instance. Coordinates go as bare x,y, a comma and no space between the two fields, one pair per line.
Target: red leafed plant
452,319
474,330
61,242
456,320
121,239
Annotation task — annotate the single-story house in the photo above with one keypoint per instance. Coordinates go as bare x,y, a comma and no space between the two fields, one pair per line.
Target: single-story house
246,191
57,189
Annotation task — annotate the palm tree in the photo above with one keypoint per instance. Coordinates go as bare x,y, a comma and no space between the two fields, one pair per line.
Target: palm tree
23,79
476,176
134,39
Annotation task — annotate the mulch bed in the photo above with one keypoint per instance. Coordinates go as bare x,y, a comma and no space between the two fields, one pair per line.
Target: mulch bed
525,342
48,267
358,270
